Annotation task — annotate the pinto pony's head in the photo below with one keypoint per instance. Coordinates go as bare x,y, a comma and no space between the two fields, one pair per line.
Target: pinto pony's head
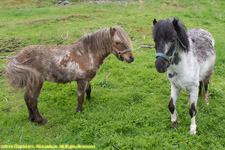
169,36
121,45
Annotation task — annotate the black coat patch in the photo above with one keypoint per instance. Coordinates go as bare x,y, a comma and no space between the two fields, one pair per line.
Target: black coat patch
192,110
171,106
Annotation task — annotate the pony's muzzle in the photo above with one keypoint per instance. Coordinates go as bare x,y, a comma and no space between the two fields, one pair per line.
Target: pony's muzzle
130,60
128,57
161,64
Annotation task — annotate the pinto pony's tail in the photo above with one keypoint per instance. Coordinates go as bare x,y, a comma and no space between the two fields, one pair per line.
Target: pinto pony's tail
19,75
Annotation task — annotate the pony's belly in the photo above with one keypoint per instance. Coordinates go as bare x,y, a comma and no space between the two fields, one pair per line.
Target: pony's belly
64,76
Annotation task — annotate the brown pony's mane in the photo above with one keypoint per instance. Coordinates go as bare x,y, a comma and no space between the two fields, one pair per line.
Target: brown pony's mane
123,37
102,40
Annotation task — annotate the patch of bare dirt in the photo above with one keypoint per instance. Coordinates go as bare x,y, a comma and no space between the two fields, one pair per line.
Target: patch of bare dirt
46,20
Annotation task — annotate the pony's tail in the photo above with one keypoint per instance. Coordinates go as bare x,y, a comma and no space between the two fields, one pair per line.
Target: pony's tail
22,76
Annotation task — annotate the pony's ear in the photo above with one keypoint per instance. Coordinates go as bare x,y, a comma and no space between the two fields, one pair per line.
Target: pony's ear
176,25
181,33
154,21
112,31
175,22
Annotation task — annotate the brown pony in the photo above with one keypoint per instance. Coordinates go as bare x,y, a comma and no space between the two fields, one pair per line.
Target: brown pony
78,61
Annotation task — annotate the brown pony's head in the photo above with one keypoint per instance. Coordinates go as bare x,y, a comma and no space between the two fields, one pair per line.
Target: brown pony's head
121,45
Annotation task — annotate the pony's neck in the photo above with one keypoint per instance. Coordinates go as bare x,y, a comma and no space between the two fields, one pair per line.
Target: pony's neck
98,45
180,62
101,58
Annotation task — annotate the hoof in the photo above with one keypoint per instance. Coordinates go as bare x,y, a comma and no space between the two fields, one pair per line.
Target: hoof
31,118
175,124
193,129
79,110
41,121
44,121
88,98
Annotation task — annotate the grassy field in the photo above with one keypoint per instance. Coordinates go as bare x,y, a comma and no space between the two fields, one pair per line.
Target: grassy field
129,105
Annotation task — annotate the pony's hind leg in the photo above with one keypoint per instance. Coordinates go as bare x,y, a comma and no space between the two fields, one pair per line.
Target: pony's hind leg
206,83
88,91
174,95
31,98
26,98
200,88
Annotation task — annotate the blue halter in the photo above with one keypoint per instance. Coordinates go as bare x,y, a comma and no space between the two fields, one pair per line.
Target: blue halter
127,50
170,58
123,52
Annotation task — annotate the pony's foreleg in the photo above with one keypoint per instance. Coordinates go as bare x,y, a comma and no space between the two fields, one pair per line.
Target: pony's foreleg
88,91
206,83
81,87
192,110
174,95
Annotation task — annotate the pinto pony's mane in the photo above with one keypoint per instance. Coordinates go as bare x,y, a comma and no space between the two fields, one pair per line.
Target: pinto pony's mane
99,40
123,37
169,29
102,40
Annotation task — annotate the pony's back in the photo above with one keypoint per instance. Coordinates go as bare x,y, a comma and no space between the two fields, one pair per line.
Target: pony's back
202,46
203,43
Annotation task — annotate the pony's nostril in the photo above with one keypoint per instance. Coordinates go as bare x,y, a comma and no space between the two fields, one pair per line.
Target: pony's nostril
160,64
131,58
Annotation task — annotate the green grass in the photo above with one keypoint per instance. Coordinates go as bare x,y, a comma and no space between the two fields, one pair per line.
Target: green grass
129,109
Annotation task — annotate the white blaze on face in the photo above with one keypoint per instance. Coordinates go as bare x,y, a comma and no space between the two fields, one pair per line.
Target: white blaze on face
167,47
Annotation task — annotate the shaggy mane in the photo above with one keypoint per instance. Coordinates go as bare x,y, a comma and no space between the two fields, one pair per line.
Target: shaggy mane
102,40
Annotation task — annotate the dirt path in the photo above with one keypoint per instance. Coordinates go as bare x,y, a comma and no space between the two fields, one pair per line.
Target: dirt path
42,20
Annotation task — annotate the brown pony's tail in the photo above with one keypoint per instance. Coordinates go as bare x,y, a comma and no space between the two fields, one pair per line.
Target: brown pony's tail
22,76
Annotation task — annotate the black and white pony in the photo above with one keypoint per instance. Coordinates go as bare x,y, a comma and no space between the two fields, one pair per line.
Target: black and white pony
188,57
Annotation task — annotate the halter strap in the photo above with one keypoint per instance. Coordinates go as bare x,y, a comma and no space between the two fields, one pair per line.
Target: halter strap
163,56
119,53
170,58
181,42
125,51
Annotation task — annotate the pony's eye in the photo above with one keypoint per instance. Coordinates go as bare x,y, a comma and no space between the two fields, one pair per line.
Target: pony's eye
118,42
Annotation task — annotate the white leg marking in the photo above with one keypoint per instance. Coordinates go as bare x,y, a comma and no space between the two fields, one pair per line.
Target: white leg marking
174,116
174,95
193,126
193,100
